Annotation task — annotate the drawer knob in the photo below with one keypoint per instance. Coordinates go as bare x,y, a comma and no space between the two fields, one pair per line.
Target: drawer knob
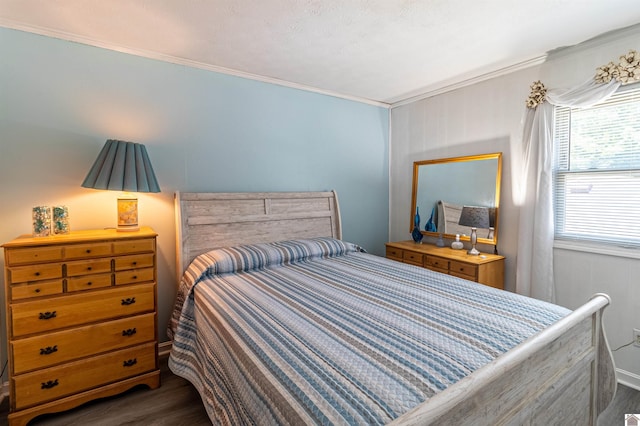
47,315
50,384
37,290
130,362
89,283
37,274
89,268
88,251
134,263
128,301
129,332
49,350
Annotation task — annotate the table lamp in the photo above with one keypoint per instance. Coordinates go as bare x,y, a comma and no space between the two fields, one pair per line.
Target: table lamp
475,217
123,166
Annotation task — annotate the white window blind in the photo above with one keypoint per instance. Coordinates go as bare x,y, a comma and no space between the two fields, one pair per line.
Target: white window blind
597,170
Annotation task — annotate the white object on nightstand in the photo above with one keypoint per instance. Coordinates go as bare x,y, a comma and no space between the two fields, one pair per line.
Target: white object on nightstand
457,244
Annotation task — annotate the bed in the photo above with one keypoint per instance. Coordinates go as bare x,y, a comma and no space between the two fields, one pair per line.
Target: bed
279,321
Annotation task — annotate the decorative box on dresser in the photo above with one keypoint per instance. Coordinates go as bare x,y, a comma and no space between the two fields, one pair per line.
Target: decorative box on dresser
486,269
81,318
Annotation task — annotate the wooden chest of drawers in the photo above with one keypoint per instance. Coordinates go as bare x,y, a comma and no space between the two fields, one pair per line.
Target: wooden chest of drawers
486,269
81,318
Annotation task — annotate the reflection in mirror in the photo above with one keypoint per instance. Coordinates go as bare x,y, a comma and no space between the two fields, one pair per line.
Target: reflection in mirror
442,187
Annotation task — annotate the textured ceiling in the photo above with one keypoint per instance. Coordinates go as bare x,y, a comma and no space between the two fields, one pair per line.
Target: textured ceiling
379,50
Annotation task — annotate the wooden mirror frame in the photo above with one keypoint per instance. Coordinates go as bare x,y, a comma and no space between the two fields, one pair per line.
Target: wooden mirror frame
414,196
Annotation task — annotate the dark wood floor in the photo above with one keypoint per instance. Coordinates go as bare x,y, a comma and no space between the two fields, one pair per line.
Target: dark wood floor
177,403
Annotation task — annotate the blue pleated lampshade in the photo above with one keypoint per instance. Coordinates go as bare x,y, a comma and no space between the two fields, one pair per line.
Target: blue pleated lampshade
122,166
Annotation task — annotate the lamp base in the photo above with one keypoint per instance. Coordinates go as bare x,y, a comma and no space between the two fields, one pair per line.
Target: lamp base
127,228
473,251
128,214
474,238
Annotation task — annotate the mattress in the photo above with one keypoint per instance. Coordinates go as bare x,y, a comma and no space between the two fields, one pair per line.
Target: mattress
319,332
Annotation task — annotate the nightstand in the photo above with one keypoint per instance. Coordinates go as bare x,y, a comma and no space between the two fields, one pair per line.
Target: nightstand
486,269
81,318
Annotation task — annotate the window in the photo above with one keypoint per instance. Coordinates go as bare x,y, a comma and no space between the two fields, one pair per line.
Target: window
597,170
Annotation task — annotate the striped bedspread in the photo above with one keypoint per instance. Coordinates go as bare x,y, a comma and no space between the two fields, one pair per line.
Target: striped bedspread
319,332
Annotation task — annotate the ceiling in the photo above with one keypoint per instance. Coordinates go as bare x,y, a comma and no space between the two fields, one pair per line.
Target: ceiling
380,51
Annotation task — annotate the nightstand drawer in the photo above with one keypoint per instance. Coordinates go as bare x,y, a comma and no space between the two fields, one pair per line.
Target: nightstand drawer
134,246
88,267
433,268
412,257
88,282
45,271
83,251
57,382
37,289
82,308
435,262
55,348
463,270
33,255
132,262
134,276
394,253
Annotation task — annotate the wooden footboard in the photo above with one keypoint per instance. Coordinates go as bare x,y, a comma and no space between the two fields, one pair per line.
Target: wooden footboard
564,374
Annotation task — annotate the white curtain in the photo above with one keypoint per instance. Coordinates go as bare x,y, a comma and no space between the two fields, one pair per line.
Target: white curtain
534,276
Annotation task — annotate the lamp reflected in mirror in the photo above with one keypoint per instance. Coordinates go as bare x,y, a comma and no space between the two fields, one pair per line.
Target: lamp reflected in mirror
474,217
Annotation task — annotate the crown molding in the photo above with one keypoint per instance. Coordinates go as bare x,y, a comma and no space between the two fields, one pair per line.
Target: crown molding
599,40
466,80
62,35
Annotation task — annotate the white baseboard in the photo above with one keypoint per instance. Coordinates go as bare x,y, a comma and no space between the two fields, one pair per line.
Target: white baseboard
628,379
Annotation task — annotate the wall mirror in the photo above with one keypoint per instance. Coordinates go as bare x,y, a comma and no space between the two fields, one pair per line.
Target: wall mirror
442,187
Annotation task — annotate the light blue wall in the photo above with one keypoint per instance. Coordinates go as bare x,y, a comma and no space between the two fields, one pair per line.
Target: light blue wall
204,131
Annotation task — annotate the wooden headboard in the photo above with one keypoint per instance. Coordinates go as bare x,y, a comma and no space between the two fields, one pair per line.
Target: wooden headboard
208,220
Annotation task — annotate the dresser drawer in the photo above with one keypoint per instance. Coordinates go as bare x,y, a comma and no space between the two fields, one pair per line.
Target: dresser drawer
439,263
59,381
394,253
36,289
132,262
134,276
88,282
55,348
33,255
82,308
412,257
134,246
463,270
85,251
45,271
88,267
433,268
